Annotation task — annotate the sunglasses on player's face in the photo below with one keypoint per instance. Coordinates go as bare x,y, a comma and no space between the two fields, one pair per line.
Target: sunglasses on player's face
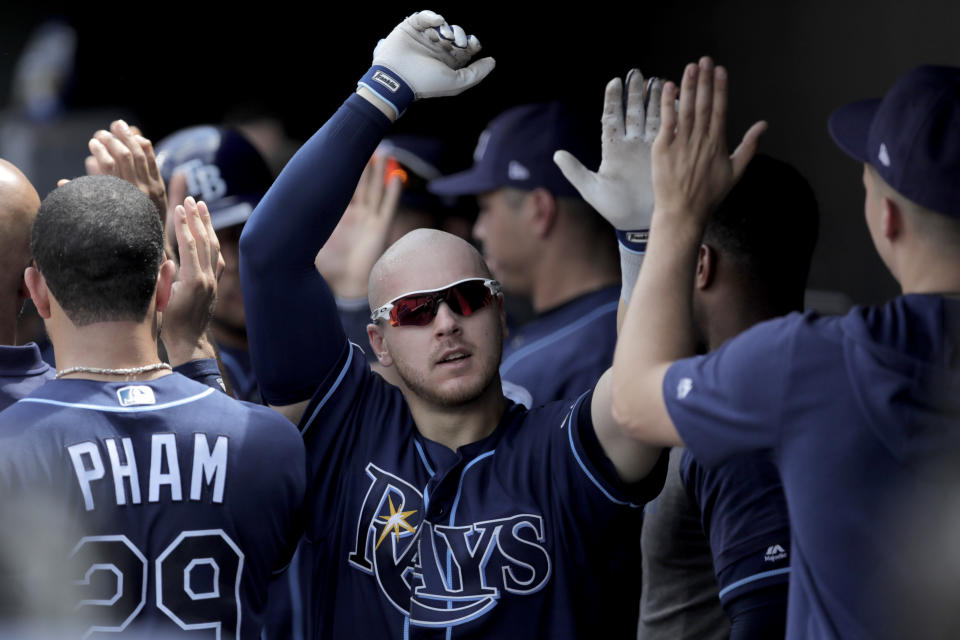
419,308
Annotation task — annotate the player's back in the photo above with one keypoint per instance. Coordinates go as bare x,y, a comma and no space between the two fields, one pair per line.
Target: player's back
182,500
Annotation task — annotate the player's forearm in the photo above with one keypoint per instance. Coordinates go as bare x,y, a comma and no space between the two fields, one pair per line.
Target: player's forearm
656,328
292,324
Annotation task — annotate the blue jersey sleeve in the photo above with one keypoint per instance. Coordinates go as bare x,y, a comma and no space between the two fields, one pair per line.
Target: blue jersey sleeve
292,323
599,470
744,516
729,401
205,371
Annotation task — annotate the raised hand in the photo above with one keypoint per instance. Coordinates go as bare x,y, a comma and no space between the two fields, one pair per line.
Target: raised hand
124,152
622,188
424,57
187,315
692,170
360,238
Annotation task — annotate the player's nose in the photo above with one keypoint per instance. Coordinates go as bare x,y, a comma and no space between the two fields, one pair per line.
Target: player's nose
446,321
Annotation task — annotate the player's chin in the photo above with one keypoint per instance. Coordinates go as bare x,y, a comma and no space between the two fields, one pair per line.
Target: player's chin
463,389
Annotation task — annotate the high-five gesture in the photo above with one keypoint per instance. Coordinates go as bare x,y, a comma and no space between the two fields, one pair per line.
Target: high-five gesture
187,316
124,152
622,189
692,170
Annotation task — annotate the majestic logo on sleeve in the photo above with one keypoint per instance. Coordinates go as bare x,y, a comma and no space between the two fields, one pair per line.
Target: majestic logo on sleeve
442,575
775,553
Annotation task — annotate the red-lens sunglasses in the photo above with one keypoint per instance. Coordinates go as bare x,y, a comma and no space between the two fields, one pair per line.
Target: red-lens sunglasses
419,308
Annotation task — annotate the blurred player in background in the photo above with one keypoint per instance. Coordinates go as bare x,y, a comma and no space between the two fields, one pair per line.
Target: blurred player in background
219,166
543,242
21,368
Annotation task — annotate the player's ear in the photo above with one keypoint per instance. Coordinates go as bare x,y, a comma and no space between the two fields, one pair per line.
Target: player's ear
545,211
165,280
893,218
379,345
37,288
706,266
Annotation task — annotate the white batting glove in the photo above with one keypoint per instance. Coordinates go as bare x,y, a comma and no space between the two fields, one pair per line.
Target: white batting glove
424,57
622,188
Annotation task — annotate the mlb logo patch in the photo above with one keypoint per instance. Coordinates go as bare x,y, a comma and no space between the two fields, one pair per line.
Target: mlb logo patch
138,395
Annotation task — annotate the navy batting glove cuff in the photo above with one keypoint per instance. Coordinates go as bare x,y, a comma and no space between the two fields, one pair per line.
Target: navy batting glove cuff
634,241
389,87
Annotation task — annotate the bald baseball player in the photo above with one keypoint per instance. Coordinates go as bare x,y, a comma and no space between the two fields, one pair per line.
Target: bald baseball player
21,368
848,408
438,509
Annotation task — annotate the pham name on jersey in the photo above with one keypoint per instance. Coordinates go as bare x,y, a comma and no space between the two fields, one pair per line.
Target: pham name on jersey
164,478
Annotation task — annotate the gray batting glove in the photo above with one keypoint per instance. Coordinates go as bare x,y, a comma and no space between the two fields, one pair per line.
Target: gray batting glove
622,188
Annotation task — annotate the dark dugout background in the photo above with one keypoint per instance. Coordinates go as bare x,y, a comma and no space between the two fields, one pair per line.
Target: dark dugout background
790,63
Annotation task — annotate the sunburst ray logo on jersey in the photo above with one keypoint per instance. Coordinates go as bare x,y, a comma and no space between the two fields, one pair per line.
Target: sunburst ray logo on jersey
394,522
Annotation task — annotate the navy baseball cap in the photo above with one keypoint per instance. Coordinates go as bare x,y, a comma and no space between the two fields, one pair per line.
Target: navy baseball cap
911,136
516,150
222,168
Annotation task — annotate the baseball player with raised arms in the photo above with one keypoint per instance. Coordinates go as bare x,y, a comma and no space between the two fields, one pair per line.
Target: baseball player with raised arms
850,409
437,509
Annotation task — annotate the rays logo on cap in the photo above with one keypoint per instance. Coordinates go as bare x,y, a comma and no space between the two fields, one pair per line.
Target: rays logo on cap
203,180
138,395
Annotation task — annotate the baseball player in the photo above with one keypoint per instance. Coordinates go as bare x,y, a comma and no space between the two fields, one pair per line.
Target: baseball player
729,524
437,509
183,500
21,368
543,242
848,408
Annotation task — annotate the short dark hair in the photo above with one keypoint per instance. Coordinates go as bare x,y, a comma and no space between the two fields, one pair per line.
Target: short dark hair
767,226
98,243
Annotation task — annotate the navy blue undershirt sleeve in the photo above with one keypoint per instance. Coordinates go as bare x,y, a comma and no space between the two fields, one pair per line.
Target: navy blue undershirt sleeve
759,615
204,371
292,322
